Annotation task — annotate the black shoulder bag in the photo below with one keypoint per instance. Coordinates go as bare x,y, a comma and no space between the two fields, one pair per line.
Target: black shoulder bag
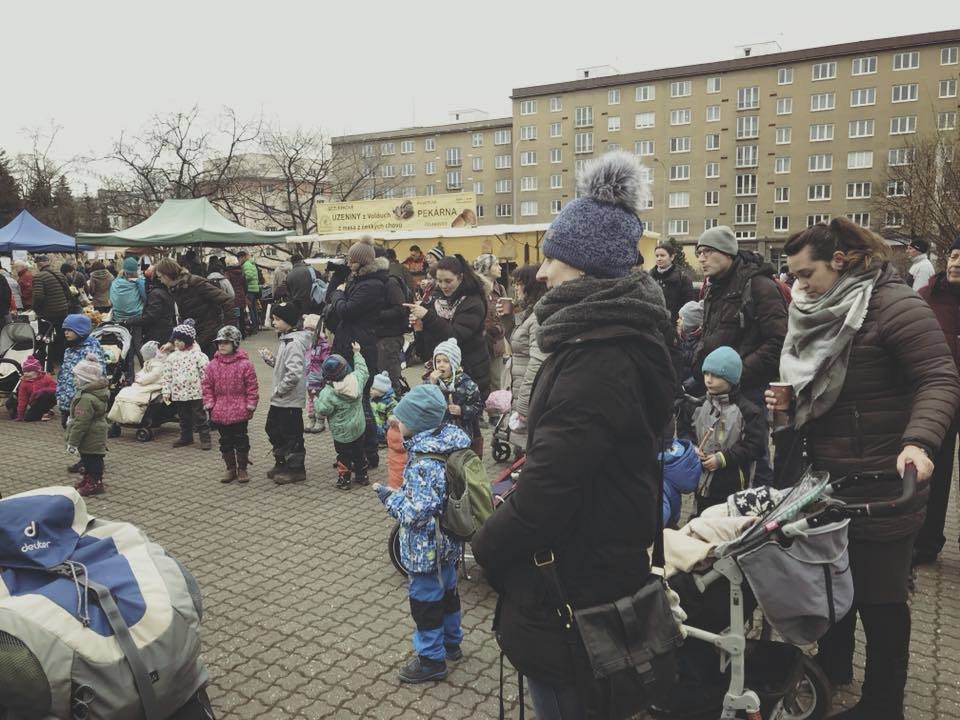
631,643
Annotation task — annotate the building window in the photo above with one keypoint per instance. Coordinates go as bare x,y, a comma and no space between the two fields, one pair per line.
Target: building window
903,125
408,170
583,142
583,116
823,71
859,218
528,183
861,128
781,165
781,223
906,60
407,147
745,214
503,162
860,160
477,164
430,167
453,180
366,151
613,123
713,113
746,185
644,148
430,145
528,107
864,65
711,198
710,222
679,227
948,56
366,194
681,88
504,210
784,106
747,156
388,148
555,131
556,104
644,120
748,126
679,144
679,172
785,76
820,163
555,207
480,211
409,192
478,187
388,171
947,120
477,140
863,96
678,200
781,194
528,132
819,192
556,155
528,157
783,135
390,193
556,181
893,220
528,208
501,137
859,190
712,170
613,97
821,132
748,98
905,93
713,141
948,88
645,92
817,219
430,190
899,156
823,101
896,188
680,116
713,84
453,157
503,185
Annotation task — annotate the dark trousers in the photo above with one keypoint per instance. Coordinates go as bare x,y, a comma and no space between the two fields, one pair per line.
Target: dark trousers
390,355
51,356
285,430
931,539
762,474
192,417
93,466
351,455
39,404
233,437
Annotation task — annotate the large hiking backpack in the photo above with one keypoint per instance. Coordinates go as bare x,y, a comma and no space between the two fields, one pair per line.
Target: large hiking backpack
467,501
318,290
96,622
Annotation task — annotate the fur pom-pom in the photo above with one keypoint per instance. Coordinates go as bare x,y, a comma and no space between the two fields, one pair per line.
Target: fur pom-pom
617,178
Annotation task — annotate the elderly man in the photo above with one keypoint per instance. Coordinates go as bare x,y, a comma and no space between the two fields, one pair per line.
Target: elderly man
942,293
51,302
921,269
25,281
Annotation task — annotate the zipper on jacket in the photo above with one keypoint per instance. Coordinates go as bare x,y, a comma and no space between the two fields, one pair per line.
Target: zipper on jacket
858,436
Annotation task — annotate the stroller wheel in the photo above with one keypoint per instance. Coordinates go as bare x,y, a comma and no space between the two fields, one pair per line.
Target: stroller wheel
144,435
811,698
501,451
393,545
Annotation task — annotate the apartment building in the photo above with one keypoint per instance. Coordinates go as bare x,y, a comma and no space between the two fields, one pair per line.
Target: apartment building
469,156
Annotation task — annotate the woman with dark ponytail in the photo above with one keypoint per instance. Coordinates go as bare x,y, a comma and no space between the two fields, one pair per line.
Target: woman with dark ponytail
458,310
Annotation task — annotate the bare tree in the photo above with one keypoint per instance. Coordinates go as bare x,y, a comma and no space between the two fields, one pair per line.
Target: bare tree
919,196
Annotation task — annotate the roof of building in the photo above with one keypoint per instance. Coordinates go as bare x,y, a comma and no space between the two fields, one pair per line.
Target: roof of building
488,124
744,63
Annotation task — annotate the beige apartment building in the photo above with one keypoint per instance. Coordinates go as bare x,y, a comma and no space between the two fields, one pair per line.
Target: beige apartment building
767,144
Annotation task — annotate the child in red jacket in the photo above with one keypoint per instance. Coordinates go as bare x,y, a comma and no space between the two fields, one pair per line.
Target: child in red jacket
36,393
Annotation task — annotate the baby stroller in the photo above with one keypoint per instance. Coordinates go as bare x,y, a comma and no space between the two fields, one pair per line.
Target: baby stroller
801,543
498,403
116,341
17,342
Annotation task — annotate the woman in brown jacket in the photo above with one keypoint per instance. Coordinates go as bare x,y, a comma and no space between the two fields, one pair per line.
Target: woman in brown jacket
875,389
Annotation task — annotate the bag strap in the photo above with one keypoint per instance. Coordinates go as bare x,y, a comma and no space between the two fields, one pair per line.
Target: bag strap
658,560
68,296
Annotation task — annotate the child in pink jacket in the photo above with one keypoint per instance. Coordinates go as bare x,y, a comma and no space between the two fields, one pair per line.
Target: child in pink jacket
230,395
36,393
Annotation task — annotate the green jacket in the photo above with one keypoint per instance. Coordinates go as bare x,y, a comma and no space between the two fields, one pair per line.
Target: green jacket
250,275
342,403
87,426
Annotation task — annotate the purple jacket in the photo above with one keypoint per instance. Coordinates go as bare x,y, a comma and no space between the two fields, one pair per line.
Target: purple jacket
230,389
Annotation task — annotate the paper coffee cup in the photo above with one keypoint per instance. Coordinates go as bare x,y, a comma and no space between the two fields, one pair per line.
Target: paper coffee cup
783,392
505,306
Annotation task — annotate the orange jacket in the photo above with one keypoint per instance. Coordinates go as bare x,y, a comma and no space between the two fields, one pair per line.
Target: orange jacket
396,457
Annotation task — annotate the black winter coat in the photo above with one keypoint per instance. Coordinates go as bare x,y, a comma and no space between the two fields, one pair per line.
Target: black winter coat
466,326
353,314
50,292
754,326
159,315
299,286
394,318
589,493
204,301
677,289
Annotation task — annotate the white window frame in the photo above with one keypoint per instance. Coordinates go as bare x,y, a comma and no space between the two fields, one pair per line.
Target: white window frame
713,84
430,189
645,148
903,125
645,93
503,186
556,104
453,157
408,170
868,124
613,96
860,190
678,226
863,97
867,155
781,194
680,144
502,136
408,192
781,223
900,156
782,165
476,140
907,92
556,130
821,132
748,98
430,145
745,213
555,206
366,151
713,113
859,217
820,162
710,222
680,116
747,156
712,141
748,127
866,65
711,166
454,180
504,210
556,155
785,76
823,102
679,172
783,135
503,162
430,167
643,116
528,107
818,218
529,208
528,183
478,187
947,120
819,192
528,158
711,198
476,163
407,147
613,123
947,88
676,200
556,181
893,219
528,132
388,148
745,185
948,55
896,188
823,71
785,106
908,60
583,142
583,116
681,88
388,171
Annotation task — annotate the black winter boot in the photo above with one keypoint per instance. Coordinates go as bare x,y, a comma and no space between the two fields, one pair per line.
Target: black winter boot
279,463
294,471
421,669
243,459
230,460
77,467
360,476
343,477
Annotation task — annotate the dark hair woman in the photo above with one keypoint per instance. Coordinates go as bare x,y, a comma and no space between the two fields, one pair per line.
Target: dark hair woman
209,306
676,285
599,404
458,309
875,389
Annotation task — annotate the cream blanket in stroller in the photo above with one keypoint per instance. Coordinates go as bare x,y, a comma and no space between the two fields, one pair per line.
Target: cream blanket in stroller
131,402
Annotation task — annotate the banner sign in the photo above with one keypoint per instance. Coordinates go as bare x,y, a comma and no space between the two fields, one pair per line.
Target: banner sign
412,213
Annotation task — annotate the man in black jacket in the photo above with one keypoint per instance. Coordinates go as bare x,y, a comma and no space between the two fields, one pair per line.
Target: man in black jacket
394,320
300,284
51,302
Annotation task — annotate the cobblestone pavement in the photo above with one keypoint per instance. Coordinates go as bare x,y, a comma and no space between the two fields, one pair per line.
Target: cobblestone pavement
305,617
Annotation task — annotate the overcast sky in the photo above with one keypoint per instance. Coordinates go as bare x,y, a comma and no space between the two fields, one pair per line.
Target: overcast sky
100,67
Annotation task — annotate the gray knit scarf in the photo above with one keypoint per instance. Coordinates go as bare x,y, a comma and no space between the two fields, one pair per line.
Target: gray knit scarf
820,335
577,306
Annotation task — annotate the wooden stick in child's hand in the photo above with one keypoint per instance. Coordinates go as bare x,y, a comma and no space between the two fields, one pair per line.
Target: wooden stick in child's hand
706,436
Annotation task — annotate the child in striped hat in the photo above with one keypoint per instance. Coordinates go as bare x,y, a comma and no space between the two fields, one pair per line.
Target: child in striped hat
464,405
182,385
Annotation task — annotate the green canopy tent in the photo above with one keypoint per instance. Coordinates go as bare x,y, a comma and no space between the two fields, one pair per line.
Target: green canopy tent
184,222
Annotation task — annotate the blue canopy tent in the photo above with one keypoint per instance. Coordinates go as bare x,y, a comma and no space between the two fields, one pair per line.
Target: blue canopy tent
25,232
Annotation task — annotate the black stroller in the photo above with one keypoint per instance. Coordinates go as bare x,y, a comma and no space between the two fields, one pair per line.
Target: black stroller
17,343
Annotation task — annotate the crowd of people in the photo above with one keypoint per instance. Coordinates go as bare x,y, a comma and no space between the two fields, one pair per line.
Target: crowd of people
605,363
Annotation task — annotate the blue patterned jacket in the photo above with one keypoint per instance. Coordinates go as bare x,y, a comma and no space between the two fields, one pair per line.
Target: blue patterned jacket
66,388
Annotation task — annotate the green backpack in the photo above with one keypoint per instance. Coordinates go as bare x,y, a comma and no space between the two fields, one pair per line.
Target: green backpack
468,501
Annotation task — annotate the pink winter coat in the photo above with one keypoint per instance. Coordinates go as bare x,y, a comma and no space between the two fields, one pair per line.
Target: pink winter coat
230,390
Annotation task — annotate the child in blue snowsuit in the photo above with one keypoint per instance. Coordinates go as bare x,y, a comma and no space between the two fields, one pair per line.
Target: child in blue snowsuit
434,600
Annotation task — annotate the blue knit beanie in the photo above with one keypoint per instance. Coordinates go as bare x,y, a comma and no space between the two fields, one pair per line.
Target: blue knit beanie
725,363
451,349
421,409
130,266
599,231
80,324
335,368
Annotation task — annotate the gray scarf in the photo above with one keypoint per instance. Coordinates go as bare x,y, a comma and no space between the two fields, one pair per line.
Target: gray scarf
819,339
577,306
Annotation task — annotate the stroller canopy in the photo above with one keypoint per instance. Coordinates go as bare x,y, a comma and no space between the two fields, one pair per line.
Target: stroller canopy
113,334
16,336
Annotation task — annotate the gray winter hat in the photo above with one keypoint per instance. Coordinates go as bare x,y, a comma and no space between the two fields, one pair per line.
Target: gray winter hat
719,238
599,231
692,315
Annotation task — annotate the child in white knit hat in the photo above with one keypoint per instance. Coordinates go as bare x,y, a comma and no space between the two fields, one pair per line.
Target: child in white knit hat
464,404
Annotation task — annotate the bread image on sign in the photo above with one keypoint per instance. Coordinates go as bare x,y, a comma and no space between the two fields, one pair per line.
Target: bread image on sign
468,218
403,211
